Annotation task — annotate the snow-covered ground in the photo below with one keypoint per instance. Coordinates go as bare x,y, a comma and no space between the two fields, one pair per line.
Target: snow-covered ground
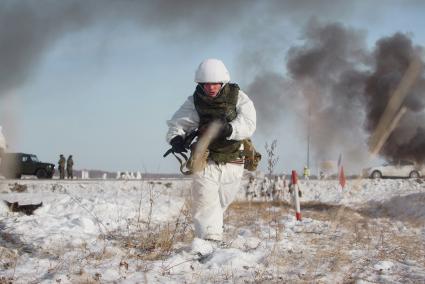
107,231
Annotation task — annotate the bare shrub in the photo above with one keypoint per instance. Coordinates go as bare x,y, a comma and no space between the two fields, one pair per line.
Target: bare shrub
6,280
154,241
253,213
8,260
272,158
18,187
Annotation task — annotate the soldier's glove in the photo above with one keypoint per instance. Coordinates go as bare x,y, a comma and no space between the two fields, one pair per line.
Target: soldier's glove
177,144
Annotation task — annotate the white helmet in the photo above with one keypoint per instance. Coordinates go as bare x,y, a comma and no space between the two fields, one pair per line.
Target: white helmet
212,71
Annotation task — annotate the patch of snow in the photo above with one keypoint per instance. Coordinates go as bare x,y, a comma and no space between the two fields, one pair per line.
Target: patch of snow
77,235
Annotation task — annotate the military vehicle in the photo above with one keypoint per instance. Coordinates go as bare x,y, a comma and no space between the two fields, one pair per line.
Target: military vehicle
15,165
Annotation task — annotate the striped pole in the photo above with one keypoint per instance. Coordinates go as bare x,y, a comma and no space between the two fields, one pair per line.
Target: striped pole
295,189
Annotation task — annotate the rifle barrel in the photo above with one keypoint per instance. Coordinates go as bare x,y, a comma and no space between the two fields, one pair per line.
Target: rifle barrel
168,152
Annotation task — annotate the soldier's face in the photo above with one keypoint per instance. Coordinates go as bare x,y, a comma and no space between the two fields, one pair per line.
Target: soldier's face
211,89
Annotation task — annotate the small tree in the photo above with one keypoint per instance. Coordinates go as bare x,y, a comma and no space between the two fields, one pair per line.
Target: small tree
272,158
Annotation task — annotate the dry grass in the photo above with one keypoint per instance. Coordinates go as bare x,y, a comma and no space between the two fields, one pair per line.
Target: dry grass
328,252
8,260
245,213
18,187
154,242
85,278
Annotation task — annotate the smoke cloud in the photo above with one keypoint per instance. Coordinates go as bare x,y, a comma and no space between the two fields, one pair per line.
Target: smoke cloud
29,28
344,89
340,88
328,70
392,58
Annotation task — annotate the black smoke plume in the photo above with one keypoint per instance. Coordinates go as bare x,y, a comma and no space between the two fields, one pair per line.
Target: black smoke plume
392,58
347,89
328,68
28,29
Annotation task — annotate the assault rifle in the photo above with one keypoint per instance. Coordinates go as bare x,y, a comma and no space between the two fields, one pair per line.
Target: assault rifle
187,143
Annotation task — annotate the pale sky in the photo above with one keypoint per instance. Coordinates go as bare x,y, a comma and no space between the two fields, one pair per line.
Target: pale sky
103,89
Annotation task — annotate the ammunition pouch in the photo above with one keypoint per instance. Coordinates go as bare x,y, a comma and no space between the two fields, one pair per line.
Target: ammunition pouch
226,154
198,161
252,157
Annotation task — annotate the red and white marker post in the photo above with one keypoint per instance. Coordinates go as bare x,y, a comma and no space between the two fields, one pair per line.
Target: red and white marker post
295,192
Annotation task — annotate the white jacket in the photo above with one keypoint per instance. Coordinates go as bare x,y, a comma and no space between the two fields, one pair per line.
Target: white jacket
186,119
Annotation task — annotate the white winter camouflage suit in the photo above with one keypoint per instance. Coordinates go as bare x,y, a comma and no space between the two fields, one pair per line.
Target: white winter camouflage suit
214,188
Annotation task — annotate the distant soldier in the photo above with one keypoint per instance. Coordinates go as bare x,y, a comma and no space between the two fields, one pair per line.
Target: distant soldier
306,173
277,191
61,164
69,165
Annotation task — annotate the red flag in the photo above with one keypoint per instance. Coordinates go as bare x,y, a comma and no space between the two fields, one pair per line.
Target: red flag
341,177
